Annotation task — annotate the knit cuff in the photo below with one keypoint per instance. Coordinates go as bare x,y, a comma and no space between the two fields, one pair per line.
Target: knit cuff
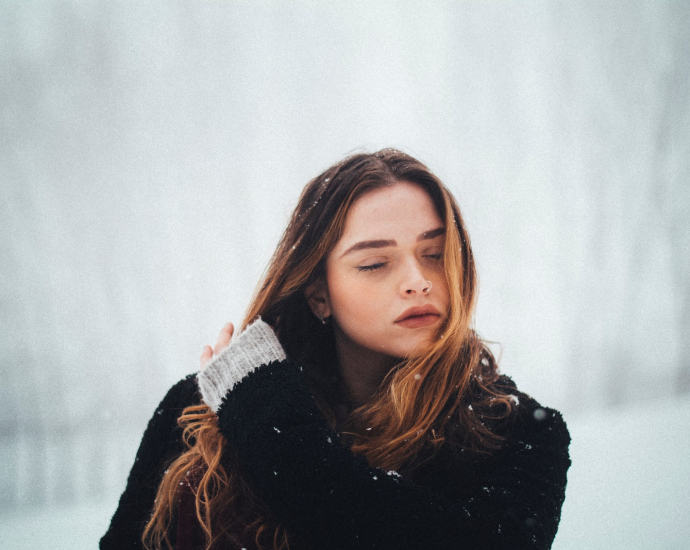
256,346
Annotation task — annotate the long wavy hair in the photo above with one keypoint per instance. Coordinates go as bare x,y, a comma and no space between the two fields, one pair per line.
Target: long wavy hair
451,387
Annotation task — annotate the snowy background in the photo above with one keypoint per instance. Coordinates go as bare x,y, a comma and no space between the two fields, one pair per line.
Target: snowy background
151,152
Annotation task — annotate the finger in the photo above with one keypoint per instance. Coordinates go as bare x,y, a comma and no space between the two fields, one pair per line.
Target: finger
223,338
206,356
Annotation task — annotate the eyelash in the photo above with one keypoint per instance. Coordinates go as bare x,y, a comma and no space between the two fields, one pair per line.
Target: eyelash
374,267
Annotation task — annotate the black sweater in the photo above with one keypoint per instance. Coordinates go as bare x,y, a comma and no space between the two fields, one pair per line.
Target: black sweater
329,498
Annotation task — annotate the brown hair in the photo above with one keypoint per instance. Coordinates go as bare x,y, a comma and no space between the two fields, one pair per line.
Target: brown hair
451,386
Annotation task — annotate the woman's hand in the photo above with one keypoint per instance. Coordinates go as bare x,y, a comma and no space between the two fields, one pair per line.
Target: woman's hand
223,340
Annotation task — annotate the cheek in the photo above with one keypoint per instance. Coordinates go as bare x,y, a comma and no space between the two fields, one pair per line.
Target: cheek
353,302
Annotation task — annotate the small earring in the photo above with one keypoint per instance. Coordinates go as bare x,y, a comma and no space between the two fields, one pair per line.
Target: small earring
427,288
324,320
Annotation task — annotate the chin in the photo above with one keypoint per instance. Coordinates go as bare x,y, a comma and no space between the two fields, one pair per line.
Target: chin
410,348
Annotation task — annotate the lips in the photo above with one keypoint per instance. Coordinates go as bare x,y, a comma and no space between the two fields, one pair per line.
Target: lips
418,316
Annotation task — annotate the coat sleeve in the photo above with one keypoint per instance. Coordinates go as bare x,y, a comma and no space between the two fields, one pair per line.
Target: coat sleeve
331,498
161,443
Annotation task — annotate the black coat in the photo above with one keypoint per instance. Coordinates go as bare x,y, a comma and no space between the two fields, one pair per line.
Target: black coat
328,498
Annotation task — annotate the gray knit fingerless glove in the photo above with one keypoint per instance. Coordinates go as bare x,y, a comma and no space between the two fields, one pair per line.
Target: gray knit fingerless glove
256,346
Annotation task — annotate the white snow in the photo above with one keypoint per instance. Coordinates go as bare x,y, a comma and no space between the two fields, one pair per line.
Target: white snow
629,484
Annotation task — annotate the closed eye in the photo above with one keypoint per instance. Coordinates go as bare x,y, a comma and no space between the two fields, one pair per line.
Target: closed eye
436,257
371,267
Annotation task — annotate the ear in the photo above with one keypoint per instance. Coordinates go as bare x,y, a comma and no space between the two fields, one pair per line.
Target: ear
318,299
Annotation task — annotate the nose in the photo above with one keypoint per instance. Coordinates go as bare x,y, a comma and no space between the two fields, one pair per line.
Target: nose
414,281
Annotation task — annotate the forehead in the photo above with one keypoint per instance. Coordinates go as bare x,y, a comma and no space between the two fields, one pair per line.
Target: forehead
399,211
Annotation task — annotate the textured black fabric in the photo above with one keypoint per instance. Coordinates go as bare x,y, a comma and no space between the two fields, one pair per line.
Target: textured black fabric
335,500
329,498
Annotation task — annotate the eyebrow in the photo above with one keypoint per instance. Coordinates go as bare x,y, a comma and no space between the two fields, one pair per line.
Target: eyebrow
382,243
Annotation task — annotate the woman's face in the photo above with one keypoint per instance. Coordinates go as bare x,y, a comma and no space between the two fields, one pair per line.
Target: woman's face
386,286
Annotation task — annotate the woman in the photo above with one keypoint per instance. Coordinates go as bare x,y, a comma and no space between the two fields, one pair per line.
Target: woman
358,408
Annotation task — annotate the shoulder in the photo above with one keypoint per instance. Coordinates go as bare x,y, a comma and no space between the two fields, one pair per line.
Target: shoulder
535,427
162,428
182,394
163,436
528,411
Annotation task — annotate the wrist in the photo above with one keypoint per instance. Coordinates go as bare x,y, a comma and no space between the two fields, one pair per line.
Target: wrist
257,345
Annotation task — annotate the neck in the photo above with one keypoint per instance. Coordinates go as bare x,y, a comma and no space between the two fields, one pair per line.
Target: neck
362,369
